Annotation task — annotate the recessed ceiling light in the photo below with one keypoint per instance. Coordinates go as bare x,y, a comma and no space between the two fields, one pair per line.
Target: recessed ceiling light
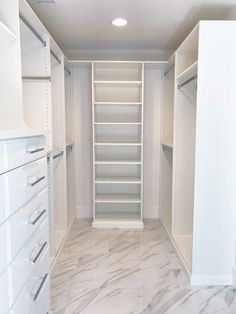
119,22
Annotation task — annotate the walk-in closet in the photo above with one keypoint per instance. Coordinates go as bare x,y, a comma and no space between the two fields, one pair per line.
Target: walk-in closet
117,177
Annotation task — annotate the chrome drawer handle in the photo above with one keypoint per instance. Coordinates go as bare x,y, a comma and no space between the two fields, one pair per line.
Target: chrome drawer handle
34,260
35,151
35,296
37,181
39,216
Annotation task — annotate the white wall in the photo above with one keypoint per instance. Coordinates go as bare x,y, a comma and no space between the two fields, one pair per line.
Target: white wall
83,141
152,137
152,113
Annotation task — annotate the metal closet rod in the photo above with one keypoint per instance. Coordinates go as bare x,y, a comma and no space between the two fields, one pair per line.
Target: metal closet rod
23,19
187,81
67,71
55,56
168,70
37,78
58,155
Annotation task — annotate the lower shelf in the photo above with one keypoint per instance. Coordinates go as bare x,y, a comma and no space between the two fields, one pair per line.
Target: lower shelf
118,220
184,244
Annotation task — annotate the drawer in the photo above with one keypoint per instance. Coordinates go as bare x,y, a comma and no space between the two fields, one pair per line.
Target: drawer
43,305
26,221
17,152
29,257
34,288
20,185
3,247
4,293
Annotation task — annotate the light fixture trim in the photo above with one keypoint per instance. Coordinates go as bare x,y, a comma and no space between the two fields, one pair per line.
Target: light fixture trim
119,22
46,1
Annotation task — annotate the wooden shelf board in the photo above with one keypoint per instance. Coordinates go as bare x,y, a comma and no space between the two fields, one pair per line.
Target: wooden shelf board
117,144
117,198
119,180
167,145
118,123
119,83
118,103
118,162
188,73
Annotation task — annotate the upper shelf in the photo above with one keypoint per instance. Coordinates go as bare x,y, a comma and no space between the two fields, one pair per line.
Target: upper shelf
187,74
6,35
118,83
118,103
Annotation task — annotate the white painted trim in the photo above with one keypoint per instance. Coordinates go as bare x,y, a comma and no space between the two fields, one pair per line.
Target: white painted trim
179,255
117,224
151,209
55,258
211,280
234,275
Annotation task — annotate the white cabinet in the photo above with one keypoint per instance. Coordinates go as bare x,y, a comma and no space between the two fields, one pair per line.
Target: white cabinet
24,227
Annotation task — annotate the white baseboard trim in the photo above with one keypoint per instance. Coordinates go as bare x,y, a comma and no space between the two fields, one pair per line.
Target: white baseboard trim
211,280
118,224
55,258
234,275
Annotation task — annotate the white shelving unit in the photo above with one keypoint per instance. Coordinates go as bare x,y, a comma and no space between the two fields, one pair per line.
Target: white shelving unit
117,92
198,173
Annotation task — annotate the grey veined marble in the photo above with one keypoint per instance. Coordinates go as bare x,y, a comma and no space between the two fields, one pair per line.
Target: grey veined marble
129,272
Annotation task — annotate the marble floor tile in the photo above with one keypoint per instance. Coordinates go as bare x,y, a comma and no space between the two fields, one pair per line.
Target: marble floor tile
128,272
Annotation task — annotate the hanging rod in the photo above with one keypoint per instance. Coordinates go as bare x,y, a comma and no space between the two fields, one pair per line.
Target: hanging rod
23,19
187,81
67,71
55,56
37,78
168,70
58,155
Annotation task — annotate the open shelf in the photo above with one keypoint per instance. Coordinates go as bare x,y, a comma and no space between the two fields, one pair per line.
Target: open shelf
117,123
118,215
187,74
121,143
6,35
118,162
118,83
118,103
117,198
114,180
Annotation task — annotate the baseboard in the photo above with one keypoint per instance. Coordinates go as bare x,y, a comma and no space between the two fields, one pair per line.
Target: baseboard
151,212
234,276
118,224
55,258
211,280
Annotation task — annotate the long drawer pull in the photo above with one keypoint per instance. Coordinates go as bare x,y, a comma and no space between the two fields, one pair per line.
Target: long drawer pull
35,296
35,151
34,260
37,181
39,216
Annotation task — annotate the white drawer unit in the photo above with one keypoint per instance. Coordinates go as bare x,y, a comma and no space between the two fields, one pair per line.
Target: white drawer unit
20,185
34,288
4,291
29,257
26,221
42,306
17,152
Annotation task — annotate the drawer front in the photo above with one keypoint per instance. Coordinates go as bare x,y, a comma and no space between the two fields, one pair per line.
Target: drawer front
34,287
26,221
29,257
42,306
17,152
4,293
20,185
3,247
